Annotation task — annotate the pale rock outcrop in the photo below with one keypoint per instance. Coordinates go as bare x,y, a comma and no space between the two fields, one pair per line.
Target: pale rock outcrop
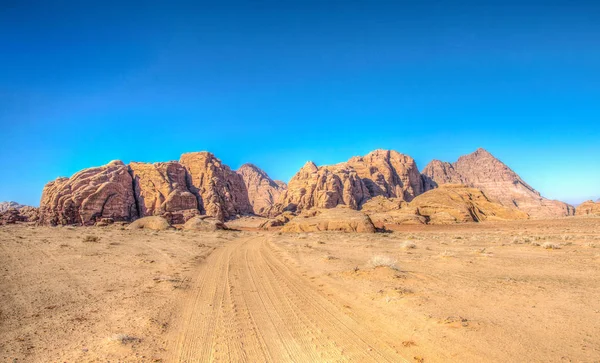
161,188
588,208
221,192
324,187
483,171
381,204
204,224
155,223
447,204
263,192
89,195
451,203
340,218
388,173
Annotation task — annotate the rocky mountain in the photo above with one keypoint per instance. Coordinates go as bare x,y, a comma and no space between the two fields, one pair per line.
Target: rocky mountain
388,173
385,173
4,206
324,187
483,171
221,192
90,195
161,188
200,184
263,192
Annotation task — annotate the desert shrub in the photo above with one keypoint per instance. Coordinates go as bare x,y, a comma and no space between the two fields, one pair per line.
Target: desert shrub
90,238
125,338
551,246
383,261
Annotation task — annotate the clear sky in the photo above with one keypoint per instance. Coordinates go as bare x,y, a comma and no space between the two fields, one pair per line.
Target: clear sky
277,83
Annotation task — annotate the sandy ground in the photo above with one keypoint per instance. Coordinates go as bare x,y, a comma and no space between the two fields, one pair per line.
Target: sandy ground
488,292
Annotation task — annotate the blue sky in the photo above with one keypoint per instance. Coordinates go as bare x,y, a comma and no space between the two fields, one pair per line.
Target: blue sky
277,83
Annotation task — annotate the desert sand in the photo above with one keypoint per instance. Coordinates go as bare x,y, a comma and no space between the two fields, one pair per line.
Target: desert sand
495,291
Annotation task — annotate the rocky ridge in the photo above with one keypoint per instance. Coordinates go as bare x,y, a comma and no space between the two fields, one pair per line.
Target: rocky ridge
483,171
383,181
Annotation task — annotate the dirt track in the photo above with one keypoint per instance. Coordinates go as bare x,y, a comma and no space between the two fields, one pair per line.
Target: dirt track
248,305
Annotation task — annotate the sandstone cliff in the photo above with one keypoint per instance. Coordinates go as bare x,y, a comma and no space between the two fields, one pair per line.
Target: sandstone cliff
221,192
161,188
483,171
91,194
324,187
263,192
388,173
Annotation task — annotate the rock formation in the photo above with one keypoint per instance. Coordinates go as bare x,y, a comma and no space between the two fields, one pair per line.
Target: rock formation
12,212
154,223
588,208
204,224
388,173
263,192
324,187
340,218
221,192
483,171
447,204
161,188
199,184
91,194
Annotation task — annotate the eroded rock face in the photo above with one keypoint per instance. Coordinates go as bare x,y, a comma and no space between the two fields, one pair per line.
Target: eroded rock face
440,172
161,188
263,192
221,192
324,187
89,195
388,173
483,171
341,219
11,216
588,208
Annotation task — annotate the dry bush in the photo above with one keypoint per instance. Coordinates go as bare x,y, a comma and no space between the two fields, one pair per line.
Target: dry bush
125,338
385,261
90,238
551,246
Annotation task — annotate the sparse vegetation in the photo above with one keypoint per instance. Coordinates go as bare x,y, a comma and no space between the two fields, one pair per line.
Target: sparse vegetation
125,338
551,246
383,261
91,238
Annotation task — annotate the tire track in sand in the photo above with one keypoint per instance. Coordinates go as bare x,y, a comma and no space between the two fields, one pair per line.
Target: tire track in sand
247,306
